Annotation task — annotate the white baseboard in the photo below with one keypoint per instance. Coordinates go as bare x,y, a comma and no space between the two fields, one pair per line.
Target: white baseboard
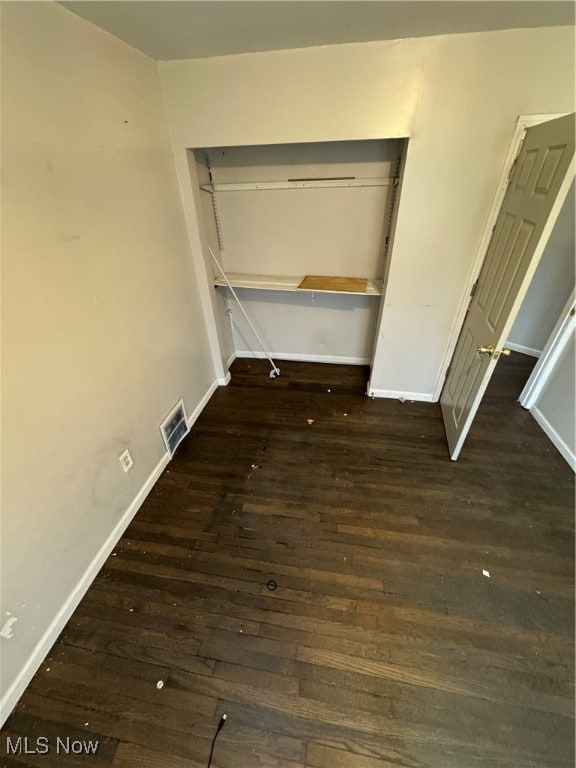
19,685
231,359
203,402
394,395
563,448
305,358
523,350
10,698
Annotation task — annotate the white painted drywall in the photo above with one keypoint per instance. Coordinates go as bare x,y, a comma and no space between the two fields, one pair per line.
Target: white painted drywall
550,287
458,97
554,408
288,325
102,329
318,230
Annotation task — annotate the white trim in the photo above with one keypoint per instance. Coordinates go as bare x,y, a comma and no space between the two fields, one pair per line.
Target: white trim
204,401
231,359
188,182
31,666
554,346
523,350
562,447
19,685
397,395
303,358
523,122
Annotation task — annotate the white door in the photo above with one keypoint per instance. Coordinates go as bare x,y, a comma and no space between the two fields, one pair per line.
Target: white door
538,185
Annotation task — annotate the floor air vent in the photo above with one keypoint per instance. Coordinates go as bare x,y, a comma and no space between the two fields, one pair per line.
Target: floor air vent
174,428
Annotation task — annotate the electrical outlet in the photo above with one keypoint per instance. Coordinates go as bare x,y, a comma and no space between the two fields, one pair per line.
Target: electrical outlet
126,461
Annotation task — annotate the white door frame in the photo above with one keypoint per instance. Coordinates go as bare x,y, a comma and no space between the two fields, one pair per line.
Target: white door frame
522,124
552,351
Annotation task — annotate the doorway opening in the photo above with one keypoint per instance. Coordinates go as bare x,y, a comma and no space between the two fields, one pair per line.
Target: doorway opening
539,182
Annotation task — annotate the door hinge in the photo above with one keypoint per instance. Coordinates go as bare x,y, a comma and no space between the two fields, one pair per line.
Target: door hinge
474,287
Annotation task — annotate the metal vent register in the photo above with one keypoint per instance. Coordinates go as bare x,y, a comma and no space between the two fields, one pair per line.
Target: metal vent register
174,428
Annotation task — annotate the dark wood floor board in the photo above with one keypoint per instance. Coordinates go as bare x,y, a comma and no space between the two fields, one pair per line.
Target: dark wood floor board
244,615
258,678
474,526
244,574
126,720
414,544
172,706
331,714
382,746
244,580
192,614
138,630
383,644
454,571
135,756
450,682
48,746
320,756
115,644
536,647
237,745
266,655
417,704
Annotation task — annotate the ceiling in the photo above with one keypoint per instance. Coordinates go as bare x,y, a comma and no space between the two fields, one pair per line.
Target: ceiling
183,30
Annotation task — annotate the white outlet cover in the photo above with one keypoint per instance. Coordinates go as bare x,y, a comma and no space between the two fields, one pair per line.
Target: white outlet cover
126,460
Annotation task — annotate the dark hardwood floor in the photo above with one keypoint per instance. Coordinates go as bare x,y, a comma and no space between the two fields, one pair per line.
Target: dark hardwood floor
383,645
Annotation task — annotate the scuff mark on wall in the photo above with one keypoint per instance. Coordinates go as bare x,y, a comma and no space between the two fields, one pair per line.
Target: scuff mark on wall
7,630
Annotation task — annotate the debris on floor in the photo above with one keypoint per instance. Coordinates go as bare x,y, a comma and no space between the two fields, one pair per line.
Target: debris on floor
486,573
310,422
160,684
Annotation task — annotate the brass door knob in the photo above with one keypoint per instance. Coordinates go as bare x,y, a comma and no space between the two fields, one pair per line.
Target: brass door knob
490,351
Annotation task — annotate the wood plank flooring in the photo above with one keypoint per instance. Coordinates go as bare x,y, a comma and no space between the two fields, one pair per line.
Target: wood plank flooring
383,645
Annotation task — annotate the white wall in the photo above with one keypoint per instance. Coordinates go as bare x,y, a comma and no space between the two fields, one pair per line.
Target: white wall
458,98
550,287
554,408
102,329
288,324
321,230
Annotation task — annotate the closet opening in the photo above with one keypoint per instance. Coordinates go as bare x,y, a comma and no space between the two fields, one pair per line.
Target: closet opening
304,234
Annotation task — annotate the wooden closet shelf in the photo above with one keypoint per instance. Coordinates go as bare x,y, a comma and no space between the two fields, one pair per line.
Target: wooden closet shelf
310,283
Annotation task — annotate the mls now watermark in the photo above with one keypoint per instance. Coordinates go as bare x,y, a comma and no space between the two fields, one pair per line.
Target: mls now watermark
42,745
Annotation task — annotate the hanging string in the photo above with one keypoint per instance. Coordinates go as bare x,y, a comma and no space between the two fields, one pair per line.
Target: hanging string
275,370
